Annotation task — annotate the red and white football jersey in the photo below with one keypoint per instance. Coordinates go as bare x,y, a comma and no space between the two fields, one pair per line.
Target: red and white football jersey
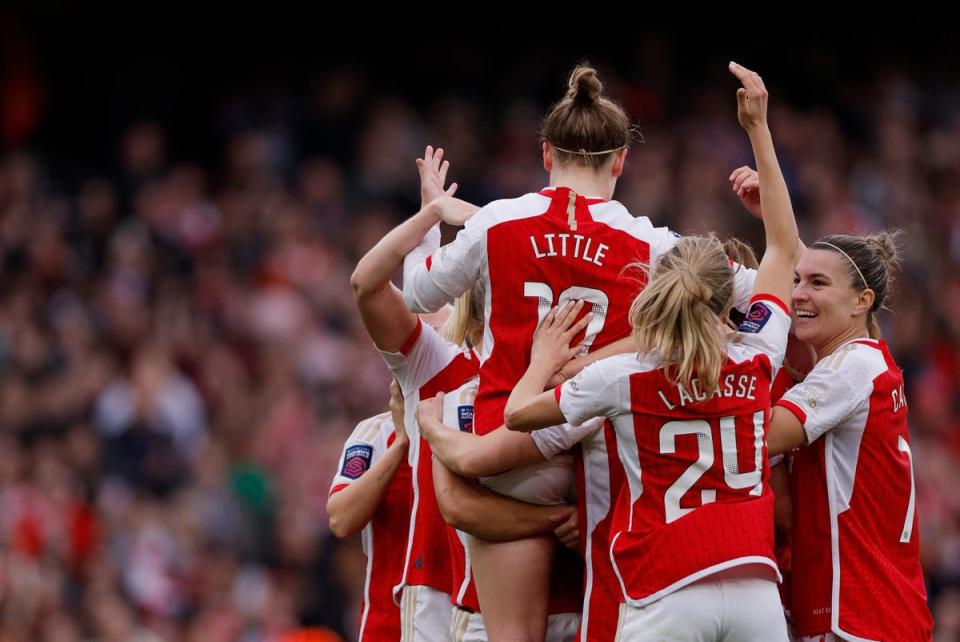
385,536
856,548
600,479
530,254
425,365
697,500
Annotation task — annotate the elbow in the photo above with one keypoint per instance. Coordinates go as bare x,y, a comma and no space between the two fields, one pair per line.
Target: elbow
453,513
341,525
512,419
471,465
362,289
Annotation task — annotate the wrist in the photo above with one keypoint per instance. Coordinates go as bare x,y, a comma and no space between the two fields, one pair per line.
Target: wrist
430,213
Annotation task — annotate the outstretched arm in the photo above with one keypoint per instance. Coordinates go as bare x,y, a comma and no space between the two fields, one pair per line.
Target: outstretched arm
473,455
381,306
473,509
775,275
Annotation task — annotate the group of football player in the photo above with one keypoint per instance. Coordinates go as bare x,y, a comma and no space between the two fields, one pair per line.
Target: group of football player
601,430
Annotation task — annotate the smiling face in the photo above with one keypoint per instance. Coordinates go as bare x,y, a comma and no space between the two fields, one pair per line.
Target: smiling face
827,309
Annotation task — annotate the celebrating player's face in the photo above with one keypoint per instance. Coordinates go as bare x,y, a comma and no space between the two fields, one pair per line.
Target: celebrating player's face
823,297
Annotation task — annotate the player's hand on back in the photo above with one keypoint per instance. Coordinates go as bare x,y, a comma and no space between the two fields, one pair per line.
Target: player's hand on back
551,342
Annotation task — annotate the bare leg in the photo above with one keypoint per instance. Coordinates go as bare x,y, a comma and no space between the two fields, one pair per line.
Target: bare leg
513,585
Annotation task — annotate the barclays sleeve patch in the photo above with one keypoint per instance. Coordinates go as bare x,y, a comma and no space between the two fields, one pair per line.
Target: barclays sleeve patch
357,461
757,317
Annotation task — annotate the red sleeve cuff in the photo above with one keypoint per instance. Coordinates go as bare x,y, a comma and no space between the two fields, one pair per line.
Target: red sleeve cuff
794,408
772,299
412,339
337,489
556,392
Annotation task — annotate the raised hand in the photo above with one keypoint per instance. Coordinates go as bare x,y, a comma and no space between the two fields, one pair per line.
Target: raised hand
751,98
433,175
551,342
746,183
453,211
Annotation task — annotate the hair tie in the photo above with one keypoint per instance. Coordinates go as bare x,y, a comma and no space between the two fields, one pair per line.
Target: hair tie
584,152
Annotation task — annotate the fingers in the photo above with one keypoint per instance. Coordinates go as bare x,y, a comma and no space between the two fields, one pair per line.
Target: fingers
576,329
442,175
437,157
452,189
749,79
568,313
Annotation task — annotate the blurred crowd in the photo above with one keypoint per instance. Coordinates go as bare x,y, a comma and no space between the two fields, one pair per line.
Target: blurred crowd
181,360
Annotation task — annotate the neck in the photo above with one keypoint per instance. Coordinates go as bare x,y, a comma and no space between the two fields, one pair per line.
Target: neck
585,182
829,347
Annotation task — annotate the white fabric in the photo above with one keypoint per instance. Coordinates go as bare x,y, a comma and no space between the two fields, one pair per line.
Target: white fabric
729,610
424,615
468,627
547,483
556,439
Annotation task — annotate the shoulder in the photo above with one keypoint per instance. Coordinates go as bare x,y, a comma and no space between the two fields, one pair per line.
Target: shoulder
508,209
858,361
369,429
615,215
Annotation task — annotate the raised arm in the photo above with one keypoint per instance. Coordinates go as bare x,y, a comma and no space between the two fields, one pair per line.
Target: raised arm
775,275
381,306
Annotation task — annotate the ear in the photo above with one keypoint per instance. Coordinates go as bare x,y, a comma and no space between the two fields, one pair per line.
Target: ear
864,302
618,161
547,158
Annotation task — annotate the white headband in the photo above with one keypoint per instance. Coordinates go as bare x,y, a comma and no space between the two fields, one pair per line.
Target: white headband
852,262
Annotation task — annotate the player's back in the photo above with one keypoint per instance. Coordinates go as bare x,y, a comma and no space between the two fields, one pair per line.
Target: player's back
575,248
696,464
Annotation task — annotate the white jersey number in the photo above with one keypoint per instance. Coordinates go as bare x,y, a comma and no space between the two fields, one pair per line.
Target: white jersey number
597,298
907,532
705,459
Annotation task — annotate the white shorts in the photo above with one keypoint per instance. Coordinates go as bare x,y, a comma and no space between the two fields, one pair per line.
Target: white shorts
424,614
468,627
547,484
742,609
823,637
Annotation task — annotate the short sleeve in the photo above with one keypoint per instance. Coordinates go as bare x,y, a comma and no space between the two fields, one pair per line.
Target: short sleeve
592,393
825,399
744,279
423,355
362,450
765,329
556,439
451,270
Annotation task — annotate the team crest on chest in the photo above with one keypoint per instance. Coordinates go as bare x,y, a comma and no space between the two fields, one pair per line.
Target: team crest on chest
356,461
